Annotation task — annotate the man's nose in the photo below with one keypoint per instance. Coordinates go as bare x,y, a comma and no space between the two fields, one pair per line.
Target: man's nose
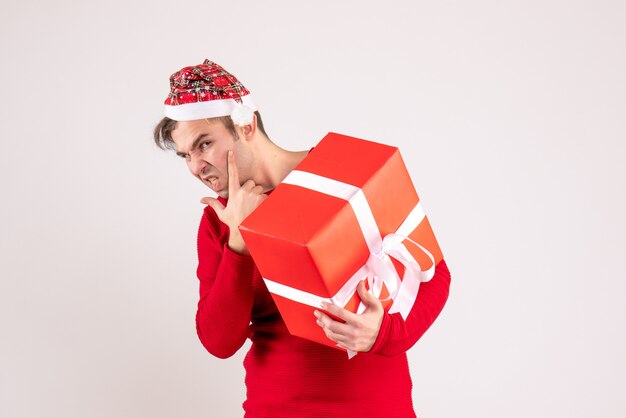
197,165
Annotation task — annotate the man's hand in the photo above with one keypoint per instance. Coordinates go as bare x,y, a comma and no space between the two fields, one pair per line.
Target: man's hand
242,200
359,332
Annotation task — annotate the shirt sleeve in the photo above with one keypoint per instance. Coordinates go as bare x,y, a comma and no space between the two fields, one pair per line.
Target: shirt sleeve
396,335
226,295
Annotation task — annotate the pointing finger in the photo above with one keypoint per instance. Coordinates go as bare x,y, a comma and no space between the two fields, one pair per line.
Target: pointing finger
233,174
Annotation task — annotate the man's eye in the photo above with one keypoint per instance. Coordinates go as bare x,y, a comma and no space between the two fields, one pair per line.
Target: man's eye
205,145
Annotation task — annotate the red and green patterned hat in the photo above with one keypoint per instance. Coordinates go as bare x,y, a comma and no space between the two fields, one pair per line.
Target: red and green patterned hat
208,91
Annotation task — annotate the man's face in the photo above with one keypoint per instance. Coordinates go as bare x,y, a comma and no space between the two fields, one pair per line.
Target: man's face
204,145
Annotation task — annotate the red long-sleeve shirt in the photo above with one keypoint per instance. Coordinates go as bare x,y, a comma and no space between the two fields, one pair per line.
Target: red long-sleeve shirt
287,376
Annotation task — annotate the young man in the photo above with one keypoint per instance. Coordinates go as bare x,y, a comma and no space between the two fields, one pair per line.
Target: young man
214,124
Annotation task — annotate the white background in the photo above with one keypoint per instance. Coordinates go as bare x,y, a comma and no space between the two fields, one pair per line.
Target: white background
509,114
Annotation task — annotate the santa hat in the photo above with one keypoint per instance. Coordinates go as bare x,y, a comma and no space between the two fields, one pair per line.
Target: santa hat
208,91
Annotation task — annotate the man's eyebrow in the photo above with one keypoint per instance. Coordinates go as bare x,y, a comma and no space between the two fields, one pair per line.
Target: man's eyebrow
194,145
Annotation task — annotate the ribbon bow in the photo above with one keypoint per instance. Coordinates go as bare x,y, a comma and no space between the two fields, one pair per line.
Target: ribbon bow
379,270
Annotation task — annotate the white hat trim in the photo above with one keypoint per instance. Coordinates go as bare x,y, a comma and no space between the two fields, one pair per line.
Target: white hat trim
208,109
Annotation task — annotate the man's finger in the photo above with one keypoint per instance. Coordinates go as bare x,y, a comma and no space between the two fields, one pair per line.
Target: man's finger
335,337
332,325
338,312
366,297
328,325
370,301
214,203
248,185
233,174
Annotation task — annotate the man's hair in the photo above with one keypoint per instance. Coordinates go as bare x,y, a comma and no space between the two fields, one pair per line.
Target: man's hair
163,130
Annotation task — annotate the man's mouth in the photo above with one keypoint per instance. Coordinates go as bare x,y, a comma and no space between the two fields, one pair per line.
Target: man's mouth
212,181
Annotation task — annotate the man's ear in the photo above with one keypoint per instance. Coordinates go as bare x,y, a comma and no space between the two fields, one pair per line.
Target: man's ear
250,129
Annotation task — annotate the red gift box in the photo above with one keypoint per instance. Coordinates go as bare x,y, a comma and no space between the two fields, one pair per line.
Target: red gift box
347,212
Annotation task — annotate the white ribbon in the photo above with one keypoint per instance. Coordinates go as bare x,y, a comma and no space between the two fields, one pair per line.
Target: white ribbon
379,268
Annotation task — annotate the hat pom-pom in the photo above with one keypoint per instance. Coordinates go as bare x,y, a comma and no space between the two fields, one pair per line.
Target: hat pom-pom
242,115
